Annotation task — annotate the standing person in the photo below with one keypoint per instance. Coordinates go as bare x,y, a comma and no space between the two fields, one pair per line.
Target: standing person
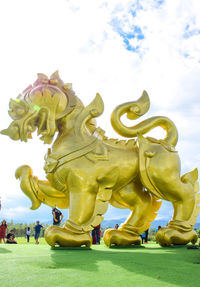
146,236
159,227
37,231
57,216
28,233
11,238
116,226
143,237
3,230
96,234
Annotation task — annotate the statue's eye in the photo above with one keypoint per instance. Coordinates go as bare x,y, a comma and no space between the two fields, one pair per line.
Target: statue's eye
16,113
17,109
20,112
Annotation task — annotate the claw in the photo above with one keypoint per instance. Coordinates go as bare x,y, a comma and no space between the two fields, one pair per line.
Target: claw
120,238
167,236
64,237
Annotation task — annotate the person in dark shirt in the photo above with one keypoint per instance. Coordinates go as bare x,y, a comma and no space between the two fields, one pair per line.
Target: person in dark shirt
159,227
57,216
37,231
143,237
11,238
146,236
96,234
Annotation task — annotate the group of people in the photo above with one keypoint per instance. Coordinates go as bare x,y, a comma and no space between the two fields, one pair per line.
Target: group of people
96,233
144,235
7,238
57,219
10,237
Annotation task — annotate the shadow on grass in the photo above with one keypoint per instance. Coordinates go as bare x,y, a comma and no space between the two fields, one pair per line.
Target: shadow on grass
4,250
171,265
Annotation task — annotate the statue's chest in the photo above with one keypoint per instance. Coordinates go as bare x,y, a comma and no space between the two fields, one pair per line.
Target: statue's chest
93,151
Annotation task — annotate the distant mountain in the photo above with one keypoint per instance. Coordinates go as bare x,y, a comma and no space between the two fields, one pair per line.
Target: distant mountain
111,222
106,223
162,222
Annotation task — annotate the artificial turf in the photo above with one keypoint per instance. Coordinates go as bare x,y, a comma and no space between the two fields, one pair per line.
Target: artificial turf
28,265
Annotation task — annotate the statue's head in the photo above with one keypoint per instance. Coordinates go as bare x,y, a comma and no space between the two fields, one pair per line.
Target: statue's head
40,107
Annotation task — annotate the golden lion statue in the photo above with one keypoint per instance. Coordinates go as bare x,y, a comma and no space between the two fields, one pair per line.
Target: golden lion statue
86,171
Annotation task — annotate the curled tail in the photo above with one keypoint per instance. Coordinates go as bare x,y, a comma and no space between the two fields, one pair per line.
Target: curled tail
137,109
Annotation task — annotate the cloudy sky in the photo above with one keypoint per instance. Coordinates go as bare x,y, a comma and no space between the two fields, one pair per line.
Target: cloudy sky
116,48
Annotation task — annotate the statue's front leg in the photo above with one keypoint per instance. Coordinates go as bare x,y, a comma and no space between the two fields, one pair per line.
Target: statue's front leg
82,201
40,191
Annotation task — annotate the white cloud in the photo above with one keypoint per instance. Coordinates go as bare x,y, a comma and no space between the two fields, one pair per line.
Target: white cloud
15,213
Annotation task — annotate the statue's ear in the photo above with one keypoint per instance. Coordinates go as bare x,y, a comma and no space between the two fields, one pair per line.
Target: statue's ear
93,110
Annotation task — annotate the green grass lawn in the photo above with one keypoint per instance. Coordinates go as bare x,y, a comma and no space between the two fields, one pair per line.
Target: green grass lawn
22,240
27,265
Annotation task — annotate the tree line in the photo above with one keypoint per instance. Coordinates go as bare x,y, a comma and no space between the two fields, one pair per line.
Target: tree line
21,228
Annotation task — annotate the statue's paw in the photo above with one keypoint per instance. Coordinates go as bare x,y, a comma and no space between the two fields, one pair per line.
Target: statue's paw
63,237
120,238
24,174
167,236
23,170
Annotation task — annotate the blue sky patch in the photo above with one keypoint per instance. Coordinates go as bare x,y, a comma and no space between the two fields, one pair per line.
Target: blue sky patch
159,2
137,33
190,32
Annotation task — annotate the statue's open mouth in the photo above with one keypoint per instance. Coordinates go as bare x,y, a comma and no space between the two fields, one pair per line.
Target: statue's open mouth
12,131
21,129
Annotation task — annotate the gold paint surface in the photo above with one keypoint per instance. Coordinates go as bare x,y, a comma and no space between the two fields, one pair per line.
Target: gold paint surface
86,171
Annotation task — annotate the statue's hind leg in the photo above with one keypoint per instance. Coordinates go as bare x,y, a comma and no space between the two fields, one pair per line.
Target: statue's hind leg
143,206
159,167
183,193
82,201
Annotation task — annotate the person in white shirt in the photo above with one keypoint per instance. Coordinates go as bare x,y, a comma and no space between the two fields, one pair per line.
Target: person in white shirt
28,233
